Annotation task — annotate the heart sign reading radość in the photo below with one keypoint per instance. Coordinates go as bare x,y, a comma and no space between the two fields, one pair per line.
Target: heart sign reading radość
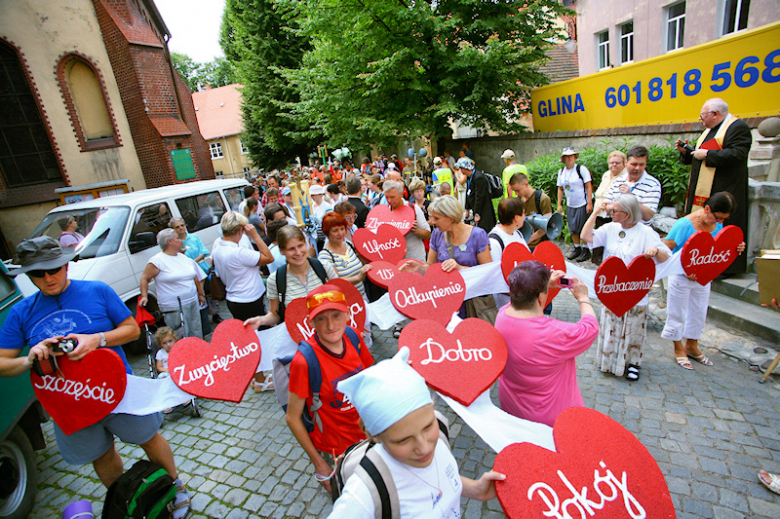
707,257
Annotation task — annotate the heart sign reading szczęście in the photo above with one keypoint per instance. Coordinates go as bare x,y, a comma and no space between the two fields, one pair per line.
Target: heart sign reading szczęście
546,252
296,313
600,471
619,287
220,370
88,390
436,296
385,244
462,364
707,257
401,218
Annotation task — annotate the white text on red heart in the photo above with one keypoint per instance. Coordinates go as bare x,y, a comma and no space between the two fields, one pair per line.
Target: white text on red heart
624,286
374,247
412,297
219,363
77,389
373,224
695,259
453,354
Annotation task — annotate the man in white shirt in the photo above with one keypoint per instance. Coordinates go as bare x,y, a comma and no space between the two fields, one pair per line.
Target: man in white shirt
639,183
321,206
575,181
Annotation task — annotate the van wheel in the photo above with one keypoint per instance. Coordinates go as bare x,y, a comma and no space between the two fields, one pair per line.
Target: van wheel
18,476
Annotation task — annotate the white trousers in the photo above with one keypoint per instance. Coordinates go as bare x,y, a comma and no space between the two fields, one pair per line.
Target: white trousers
686,308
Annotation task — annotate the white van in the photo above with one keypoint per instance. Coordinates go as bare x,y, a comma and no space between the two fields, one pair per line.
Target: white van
120,231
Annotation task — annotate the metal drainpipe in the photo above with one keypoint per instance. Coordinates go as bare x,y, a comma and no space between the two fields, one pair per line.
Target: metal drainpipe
230,159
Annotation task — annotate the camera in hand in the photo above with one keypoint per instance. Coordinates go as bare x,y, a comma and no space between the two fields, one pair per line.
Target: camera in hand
565,282
65,345
687,146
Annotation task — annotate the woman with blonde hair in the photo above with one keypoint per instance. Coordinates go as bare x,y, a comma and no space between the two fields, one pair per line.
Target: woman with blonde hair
616,162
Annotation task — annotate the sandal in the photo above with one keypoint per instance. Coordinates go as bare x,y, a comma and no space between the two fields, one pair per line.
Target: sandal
684,363
181,503
268,385
397,331
774,481
632,373
701,358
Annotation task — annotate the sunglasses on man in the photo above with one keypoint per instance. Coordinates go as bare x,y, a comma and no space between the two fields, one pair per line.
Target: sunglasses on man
40,274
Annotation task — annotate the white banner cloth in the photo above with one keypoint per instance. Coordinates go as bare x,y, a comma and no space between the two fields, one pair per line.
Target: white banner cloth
146,396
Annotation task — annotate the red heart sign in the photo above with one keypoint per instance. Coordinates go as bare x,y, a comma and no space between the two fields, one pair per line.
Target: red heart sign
436,296
621,288
221,370
296,313
385,244
401,218
707,257
461,365
546,252
89,389
381,273
600,470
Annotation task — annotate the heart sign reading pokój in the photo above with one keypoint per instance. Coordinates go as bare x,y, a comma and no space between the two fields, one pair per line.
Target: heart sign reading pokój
220,370
86,392
436,296
546,252
401,218
381,273
385,244
600,471
707,257
619,287
296,313
462,364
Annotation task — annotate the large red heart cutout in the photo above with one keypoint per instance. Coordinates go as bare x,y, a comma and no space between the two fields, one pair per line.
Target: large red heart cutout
619,287
436,296
462,364
401,218
88,390
546,252
382,272
296,313
220,370
385,244
707,257
600,470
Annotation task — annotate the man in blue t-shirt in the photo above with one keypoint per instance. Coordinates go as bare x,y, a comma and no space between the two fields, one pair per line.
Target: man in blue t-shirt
93,314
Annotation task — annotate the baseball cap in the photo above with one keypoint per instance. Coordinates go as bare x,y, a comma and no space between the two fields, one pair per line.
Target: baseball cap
286,190
465,163
508,154
326,297
437,160
40,253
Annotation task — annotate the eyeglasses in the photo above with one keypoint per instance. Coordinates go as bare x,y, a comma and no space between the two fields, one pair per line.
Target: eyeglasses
39,274
326,297
701,115
568,148
613,211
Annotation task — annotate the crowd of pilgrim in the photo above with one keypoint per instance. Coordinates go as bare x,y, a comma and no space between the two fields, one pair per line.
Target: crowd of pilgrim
458,225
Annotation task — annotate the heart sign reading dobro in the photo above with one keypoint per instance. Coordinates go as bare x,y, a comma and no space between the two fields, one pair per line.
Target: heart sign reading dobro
600,470
385,244
619,287
436,296
86,392
707,257
401,218
296,313
462,364
546,252
220,370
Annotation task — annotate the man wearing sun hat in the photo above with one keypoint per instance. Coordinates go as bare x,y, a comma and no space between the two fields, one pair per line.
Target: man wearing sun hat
93,314
341,354
576,185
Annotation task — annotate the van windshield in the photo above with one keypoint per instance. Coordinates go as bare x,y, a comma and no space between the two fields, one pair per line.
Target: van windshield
94,232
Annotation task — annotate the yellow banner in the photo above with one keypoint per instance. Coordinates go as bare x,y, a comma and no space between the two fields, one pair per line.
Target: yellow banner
743,69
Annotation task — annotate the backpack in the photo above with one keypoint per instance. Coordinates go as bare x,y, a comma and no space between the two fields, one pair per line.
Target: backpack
361,459
496,237
146,491
579,174
538,200
281,281
495,186
282,379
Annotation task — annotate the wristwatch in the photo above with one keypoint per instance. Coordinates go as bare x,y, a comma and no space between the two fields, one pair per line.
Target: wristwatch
102,340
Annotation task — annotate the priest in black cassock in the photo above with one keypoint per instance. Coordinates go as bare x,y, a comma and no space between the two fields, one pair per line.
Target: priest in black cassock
719,163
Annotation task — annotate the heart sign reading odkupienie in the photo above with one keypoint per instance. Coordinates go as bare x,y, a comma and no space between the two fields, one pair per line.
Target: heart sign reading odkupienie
86,392
546,252
435,296
401,218
296,313
385,244
220,370
462,364
619,287
600,470
707,257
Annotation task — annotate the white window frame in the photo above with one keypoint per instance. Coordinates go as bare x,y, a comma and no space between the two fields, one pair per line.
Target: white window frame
215,148
626,40
244,149
219,174
674,24
722,10
602,51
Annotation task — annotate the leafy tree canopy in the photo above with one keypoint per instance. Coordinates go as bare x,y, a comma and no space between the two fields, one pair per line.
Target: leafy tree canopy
380,69
217,73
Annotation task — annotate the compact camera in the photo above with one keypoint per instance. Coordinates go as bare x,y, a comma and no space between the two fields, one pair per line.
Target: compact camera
565,283
65,346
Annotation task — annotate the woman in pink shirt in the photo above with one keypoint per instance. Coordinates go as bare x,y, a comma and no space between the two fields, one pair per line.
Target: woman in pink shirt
540,379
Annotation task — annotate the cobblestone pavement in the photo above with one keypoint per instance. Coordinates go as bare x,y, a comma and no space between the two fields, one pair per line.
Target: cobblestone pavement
710,430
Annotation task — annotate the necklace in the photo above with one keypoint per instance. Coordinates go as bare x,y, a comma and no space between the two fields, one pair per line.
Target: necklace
436,467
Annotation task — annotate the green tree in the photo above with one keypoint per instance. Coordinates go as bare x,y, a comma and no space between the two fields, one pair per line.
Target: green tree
187,69
259,40
380,69
217,73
